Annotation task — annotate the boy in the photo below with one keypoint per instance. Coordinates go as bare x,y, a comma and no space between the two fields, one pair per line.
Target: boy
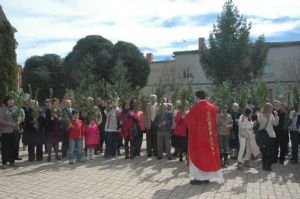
75,129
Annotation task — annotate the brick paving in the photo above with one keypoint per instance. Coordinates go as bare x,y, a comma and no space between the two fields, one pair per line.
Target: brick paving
143,177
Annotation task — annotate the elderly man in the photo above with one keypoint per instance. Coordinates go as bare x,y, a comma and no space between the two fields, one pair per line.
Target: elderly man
67,116
151,127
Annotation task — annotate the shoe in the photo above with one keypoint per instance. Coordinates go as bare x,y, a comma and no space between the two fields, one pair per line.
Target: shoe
13,164
57,158
267,169
4,166
246,164
18,158
71,162
169,158
49,159
149,155
159,158
240,166
281,162
293,161
199,182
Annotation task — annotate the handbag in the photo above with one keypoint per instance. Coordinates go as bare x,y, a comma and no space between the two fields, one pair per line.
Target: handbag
262,136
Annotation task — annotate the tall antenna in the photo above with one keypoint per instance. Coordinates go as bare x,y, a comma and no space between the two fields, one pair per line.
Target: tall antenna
184,41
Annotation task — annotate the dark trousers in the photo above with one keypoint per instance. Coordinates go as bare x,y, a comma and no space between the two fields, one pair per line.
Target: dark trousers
102,140
137,144
49,149
295,142
151,139
65,144
35,152
112,142
267,153
8,148
17,145
281,142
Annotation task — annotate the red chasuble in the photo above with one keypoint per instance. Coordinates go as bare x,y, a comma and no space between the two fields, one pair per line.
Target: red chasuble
203,147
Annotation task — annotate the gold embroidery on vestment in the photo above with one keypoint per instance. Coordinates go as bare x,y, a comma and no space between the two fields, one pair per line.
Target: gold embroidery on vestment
209,123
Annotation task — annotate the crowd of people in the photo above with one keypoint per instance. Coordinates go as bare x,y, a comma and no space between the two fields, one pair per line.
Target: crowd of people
207,136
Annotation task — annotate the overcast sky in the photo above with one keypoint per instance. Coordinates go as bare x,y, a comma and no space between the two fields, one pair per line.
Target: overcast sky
157,26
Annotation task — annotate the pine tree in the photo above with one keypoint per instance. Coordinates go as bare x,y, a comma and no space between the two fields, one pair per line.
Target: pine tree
231,56
7,56
120,83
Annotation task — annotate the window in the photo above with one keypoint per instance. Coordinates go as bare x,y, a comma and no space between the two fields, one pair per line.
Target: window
267,69
187,73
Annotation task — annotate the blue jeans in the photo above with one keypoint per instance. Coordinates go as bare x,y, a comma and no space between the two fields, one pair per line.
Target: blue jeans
75,144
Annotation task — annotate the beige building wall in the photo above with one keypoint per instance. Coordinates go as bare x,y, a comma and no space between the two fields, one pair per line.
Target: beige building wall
283,65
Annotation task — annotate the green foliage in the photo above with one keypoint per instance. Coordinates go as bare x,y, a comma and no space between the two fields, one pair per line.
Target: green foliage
93,51
137,66
143,100
185,95
44,72
160,91
121,85
231,56
7,56
222,94
21,100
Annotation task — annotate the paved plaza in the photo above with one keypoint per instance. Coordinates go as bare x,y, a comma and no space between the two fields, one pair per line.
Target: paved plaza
142,177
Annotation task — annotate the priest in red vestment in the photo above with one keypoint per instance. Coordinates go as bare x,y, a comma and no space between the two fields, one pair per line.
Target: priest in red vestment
203,151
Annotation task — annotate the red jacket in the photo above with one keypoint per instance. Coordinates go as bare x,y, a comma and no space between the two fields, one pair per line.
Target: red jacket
140,117
75,129
91,134
126,120
180,129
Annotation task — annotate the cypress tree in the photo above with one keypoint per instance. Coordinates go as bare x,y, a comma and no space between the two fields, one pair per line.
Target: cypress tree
8,66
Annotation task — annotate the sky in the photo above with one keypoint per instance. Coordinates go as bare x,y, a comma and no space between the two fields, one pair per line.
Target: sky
154,26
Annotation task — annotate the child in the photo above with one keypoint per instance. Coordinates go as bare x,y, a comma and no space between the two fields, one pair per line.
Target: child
75,129
91,134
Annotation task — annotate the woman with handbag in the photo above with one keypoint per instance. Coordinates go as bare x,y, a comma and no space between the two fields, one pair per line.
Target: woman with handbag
246,137
266,135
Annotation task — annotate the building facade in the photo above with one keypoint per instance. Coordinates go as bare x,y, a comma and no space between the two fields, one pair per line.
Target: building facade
283,66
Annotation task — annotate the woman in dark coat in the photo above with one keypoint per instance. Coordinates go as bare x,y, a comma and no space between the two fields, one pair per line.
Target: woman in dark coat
33,134
53,119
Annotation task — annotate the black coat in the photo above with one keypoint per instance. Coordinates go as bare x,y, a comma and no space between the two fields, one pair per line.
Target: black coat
33,135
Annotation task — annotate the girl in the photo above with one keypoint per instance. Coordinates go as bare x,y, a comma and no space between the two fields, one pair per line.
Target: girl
91,134
246,136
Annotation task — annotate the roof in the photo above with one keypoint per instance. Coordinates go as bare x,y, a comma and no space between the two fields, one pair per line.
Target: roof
272,45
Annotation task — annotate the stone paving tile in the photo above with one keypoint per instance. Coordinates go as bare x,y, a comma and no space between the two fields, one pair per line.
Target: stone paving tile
143,177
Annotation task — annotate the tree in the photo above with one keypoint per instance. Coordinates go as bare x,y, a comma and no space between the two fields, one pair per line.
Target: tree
44,72
7,56
231,56
93,49
137,66
121,85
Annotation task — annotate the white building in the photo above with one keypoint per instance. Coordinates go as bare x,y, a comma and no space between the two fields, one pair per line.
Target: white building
283,66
